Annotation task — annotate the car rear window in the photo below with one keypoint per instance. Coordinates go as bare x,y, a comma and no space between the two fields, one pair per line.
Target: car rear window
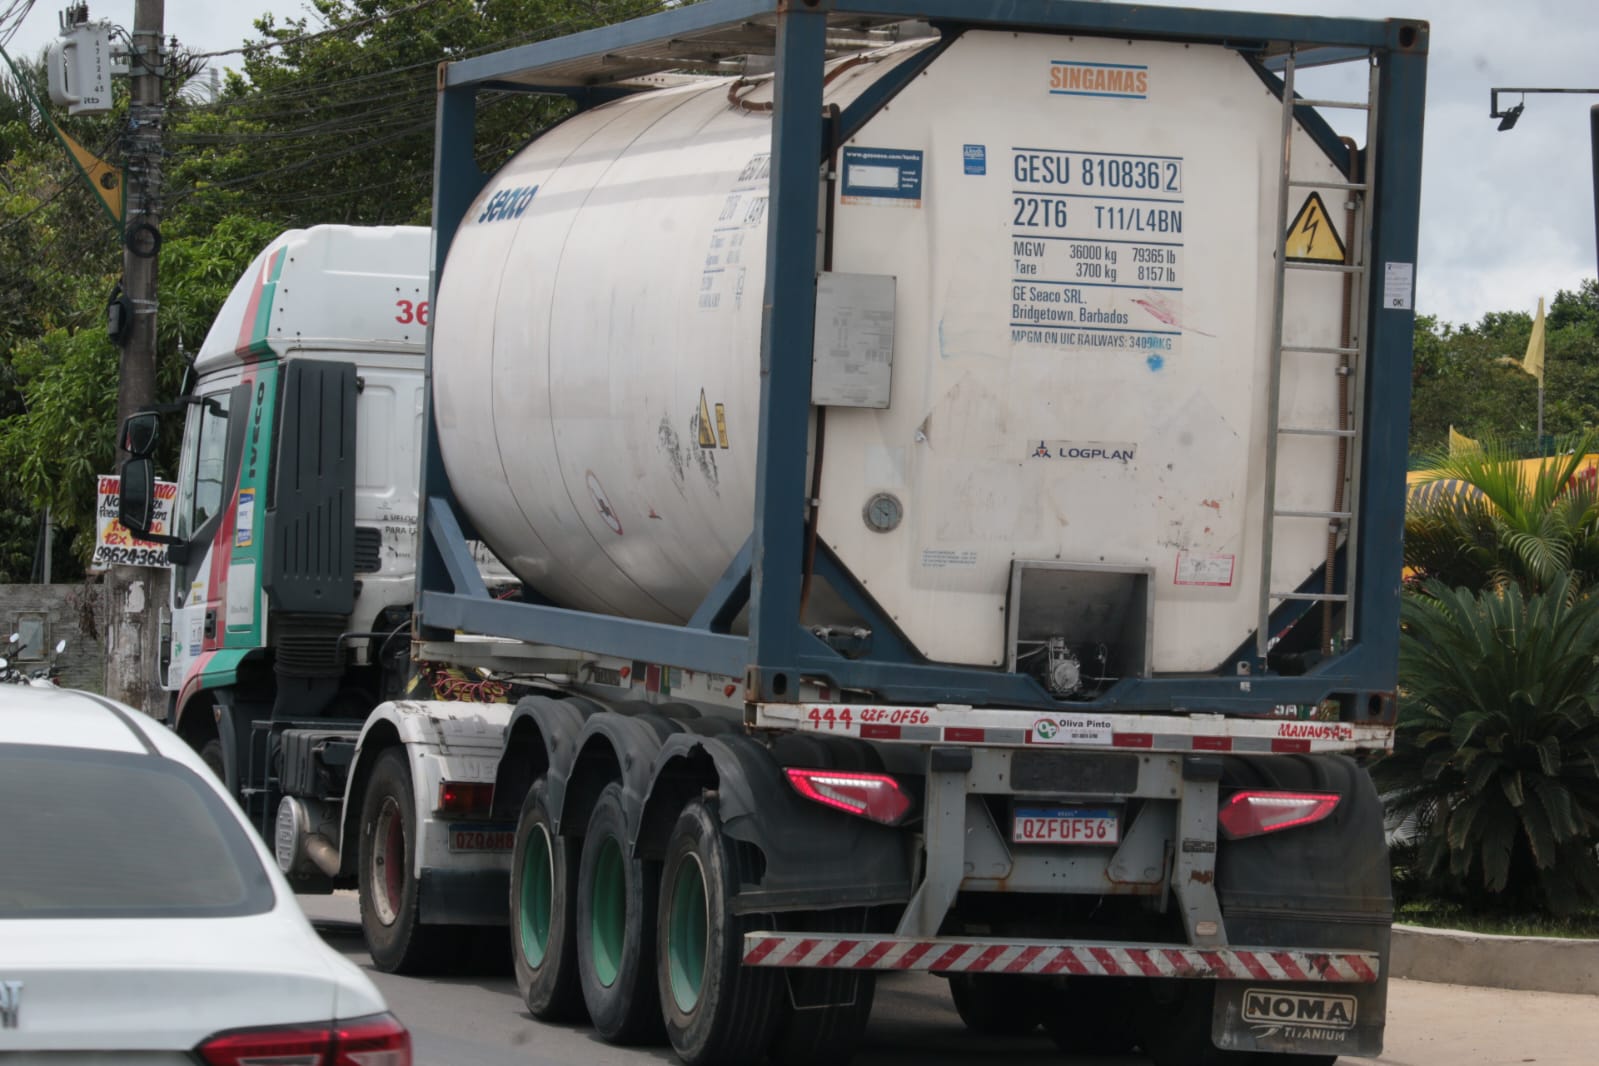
95,834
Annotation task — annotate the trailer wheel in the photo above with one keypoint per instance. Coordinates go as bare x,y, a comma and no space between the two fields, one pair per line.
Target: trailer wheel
717,1012
543,926
616,898
825,1036
398,941
1175,1031
1093,1016
998,1004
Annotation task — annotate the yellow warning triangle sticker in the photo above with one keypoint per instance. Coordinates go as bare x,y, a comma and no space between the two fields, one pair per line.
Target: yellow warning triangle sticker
707,432
1312,238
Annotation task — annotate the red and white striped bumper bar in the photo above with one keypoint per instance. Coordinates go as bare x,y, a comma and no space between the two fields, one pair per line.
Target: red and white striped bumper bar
1055,957
1007,727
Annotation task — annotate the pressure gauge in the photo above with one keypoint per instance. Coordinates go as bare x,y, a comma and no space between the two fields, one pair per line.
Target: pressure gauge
883,513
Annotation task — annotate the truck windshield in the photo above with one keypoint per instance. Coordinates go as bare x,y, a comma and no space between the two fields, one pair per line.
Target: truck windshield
205,453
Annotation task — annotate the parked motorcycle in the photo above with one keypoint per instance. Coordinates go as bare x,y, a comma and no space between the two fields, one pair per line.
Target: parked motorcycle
11,674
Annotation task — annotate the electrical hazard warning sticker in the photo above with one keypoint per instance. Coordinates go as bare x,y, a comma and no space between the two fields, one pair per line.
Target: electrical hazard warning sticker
1312,237
707,435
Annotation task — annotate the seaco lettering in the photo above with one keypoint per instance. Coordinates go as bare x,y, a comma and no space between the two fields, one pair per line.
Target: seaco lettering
508,203
1098,79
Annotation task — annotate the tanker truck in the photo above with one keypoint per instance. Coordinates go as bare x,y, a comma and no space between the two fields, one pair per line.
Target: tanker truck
953,457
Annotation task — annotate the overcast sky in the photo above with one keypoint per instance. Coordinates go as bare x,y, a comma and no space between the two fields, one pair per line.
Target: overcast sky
1506,217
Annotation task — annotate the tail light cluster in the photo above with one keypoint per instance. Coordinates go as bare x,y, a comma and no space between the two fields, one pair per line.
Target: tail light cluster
376,1040
465,797
877,797
1251,813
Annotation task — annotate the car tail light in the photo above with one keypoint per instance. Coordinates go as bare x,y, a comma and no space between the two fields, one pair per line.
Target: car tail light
874,796
377,1040
1248,814
465,797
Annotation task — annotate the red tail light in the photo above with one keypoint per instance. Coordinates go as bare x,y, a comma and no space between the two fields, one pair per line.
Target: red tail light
874,796
465,797
377,1040
1249,814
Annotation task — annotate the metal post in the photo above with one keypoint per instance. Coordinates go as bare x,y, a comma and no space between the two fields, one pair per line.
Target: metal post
786,340
130,640
1593,127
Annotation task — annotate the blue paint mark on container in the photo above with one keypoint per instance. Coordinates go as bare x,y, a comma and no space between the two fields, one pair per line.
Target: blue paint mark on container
1156,362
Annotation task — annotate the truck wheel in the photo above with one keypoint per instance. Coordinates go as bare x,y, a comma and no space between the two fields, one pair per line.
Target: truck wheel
616,929
211,755
399,943
998,1004
825,1036
543,932
717,1012
1092,1016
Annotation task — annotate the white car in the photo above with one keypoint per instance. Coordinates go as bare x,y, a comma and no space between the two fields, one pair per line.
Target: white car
142,920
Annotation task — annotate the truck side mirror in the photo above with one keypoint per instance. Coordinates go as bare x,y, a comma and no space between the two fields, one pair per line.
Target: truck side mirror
136,495
139,435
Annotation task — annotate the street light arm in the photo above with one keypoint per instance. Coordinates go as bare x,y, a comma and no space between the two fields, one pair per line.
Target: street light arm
1493,97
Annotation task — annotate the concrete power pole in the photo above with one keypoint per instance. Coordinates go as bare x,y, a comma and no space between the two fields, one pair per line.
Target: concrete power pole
132,636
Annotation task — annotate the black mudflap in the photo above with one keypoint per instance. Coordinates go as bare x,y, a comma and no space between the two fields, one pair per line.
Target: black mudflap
1303,1019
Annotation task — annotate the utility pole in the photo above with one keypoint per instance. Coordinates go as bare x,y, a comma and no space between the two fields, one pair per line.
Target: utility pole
142,223
135,594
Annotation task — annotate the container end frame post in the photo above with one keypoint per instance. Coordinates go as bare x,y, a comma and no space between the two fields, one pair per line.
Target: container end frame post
787,333
1386,432
457,180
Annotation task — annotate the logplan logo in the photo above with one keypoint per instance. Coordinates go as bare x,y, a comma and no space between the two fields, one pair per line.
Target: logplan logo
1123,81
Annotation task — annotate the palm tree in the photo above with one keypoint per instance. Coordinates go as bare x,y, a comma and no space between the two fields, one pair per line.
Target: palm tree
1485,519
1494,779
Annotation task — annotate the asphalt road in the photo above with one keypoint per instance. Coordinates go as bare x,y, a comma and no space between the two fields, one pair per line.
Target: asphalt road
480,1021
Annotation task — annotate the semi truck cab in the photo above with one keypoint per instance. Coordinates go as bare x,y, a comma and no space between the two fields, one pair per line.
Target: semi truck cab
292,547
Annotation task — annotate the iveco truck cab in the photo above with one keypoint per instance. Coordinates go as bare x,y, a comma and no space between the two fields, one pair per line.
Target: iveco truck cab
292,547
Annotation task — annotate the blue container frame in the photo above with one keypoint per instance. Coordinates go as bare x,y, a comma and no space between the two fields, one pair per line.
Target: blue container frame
767,574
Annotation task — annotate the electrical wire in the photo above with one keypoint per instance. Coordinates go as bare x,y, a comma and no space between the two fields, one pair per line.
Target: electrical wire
261,46
603,14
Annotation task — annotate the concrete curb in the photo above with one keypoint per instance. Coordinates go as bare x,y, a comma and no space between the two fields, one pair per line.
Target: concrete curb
1530,964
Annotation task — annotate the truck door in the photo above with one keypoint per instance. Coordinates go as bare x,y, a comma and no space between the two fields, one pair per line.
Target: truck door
208,477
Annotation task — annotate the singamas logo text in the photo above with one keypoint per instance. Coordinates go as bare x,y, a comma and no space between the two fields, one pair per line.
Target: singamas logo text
1125,81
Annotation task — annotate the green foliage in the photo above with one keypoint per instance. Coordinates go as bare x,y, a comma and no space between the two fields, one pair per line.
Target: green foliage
328,119
1459,377
1495,522
1494,776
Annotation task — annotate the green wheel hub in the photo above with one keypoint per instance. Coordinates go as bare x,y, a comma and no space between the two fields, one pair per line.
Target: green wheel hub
538,886
687,934
608,911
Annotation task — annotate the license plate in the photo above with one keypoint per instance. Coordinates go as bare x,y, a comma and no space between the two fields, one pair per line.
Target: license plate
481,837
1066,825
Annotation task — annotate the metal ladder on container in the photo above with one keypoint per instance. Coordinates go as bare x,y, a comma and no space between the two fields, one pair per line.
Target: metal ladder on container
1351,359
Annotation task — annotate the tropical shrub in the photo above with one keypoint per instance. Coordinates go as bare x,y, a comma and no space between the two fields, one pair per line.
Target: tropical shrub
1494,778
1487,520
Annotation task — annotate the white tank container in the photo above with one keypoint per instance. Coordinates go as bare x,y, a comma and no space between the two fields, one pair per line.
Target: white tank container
1081,233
